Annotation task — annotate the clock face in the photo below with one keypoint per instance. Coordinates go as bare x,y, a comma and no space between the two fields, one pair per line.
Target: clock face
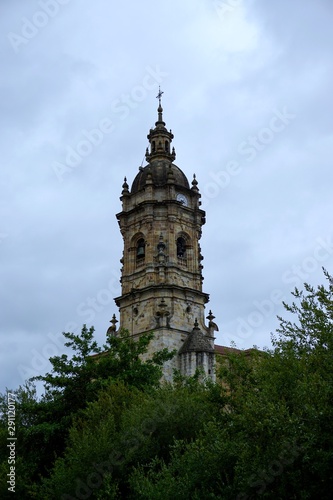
182,198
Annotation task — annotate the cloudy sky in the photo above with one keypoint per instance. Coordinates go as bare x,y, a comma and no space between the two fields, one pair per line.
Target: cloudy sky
247,92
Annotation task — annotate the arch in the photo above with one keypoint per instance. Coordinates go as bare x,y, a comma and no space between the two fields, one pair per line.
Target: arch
167,149
181,247
138,249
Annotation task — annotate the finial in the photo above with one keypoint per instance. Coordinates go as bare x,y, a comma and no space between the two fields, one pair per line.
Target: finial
112,330
195,183
114,321
160,109
210,315
196,324
211,324
125,186
159,95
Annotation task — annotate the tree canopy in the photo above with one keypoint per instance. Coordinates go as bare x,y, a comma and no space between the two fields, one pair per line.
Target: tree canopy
107,428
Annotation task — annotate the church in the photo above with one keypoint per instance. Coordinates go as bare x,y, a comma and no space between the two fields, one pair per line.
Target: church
161,223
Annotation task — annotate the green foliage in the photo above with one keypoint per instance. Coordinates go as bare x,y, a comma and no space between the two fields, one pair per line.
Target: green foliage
124,428
75,381
27,439
93,449
105,428
273,435
43,425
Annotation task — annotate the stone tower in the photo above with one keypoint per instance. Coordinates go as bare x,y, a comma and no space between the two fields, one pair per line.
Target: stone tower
161,277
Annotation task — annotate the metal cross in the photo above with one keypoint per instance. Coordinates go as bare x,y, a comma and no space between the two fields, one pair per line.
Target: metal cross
159,95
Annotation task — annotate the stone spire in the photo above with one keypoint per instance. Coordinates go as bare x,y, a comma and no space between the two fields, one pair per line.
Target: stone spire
160,138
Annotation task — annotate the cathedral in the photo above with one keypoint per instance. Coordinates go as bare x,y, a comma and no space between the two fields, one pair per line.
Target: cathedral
161,277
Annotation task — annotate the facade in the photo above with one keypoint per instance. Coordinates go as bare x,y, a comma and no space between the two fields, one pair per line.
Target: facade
161,278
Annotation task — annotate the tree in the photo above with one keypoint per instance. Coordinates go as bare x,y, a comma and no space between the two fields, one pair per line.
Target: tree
43,425
25,418
265,432
123,428
273,436
75,381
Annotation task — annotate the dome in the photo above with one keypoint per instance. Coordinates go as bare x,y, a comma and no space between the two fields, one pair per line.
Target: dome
160,171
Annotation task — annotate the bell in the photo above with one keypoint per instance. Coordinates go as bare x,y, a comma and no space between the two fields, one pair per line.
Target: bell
140,252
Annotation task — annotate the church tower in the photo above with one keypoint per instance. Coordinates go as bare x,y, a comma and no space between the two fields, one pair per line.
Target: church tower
161,278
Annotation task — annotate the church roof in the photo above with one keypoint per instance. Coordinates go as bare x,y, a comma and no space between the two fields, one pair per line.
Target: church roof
224,350
196,342
161,170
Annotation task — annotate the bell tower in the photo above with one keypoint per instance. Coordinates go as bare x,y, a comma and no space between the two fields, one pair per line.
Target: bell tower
161,278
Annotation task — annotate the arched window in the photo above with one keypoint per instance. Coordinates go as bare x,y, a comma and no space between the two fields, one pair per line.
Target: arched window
153,147
140,250
181,248
167,146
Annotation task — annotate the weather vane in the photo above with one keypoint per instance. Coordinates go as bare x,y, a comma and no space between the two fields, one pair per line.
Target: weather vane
159,95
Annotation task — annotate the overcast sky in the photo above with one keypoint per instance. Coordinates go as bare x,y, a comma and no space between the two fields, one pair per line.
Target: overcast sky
248,94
